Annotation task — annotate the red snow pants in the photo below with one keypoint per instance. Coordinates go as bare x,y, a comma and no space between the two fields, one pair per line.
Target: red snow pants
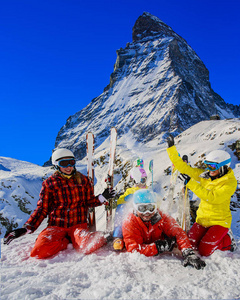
54,239
208,239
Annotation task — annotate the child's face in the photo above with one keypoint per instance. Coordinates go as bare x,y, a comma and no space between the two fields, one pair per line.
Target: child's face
145,217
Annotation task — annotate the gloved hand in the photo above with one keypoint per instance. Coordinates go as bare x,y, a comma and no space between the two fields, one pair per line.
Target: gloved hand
184,177
14,234
165,245
191,259
170,140
108,193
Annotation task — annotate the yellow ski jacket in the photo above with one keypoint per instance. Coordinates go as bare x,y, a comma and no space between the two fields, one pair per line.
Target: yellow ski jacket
215,195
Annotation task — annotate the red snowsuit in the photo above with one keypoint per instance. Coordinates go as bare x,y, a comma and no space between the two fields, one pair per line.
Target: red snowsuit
65,201
140,236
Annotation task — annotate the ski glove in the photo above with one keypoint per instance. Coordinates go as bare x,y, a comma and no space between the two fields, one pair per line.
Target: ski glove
165,245
14,234
184,177
170,140
191,259
108,193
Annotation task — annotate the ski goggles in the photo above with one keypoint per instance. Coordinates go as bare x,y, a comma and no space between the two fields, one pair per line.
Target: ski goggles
212,166
146,208
143,180
64,163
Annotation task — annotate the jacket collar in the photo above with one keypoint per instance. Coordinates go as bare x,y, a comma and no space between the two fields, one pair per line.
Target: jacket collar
157,217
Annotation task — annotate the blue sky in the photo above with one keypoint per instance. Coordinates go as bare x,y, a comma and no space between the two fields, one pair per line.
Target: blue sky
56,56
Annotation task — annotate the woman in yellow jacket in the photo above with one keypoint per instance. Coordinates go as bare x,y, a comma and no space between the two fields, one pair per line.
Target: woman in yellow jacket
214,187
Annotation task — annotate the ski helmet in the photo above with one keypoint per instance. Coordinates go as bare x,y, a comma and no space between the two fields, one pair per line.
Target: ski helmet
139,175
144,201
185,158
143,196
61,153
219,157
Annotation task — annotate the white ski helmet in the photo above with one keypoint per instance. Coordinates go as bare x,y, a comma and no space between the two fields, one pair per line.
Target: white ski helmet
220,157
218,160
61,153
139,175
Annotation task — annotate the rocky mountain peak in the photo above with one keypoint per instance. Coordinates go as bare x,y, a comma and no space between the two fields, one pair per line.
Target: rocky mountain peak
148,25
158,85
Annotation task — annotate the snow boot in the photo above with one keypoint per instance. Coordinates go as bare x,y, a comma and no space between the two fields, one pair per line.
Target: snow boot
118,244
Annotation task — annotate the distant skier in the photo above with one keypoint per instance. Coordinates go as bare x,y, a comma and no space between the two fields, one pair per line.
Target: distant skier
65,198
139,177
214,187
151,232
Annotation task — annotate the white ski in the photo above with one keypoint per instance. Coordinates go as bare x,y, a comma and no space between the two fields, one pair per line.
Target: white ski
109,180
171,200
183,217
90,170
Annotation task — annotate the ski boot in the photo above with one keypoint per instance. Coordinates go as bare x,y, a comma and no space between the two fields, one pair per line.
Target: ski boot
233,242
118,244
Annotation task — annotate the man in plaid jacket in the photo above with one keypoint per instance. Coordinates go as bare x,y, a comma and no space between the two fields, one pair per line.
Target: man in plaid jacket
65,198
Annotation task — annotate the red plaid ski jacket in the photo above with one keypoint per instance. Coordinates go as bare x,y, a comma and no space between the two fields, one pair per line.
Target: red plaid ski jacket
65,201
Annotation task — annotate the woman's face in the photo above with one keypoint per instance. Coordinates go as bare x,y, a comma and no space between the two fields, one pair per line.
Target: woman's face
67,171
214,173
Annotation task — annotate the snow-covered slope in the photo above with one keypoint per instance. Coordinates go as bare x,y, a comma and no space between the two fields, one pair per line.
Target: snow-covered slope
109,275
19,190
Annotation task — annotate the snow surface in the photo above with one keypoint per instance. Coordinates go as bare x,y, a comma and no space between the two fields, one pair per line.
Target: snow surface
107,274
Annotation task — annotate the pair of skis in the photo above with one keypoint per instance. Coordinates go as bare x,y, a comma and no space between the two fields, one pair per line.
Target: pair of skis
109,180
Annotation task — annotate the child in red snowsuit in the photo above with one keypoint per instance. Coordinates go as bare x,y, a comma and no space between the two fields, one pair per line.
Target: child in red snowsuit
151,232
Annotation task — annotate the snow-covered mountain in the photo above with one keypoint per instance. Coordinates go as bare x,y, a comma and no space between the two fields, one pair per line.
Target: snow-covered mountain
109,275
159,85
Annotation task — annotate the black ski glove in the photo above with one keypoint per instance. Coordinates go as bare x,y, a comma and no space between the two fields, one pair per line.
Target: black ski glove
108,193
14,234
165,245
170,140
191,259
184,177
